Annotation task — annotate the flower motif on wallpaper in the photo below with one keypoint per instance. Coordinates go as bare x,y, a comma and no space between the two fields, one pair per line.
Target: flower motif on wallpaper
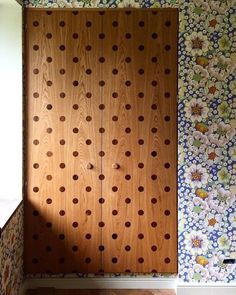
220,67
198,274
196,109
197,209
220,134
197,76
221,6
212,155
212,221
197,142
217,269
212,89
196,175
196,242
213,22
196,43
220,199
198,9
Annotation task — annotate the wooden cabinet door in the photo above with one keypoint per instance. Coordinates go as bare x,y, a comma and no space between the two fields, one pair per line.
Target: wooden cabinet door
100,141
62,209
139,212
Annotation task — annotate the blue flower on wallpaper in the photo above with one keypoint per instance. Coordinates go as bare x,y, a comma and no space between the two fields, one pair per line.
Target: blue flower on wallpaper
207,128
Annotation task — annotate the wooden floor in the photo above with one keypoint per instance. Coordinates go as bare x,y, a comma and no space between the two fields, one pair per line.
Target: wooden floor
50,291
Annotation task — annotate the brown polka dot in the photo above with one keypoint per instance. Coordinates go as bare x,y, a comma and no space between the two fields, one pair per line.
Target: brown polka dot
36,142
62,47
35,47
140,236
75,177
75,36
75,83
75,154
49,130
35,189
101,224
167,236
62,165
87,260
167,141
101,59
75,200
35,71
167,212
167,260
75,106
49,154
154,200
154,130
49,177
127,200
62,189
35,213
75,224
154,248
140,260
88,188
167,189
62,118
127,248
154,224
62,212
127,224
75,59
114,188
167,47
36,165
49,201
114,94
101,248
128,59
88,212
75,130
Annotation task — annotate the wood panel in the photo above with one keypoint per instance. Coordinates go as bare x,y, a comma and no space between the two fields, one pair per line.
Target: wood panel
101,141
140,72
62,209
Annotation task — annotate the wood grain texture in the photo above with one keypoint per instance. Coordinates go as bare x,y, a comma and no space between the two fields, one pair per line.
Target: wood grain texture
101,90
64,236
101,292
138,118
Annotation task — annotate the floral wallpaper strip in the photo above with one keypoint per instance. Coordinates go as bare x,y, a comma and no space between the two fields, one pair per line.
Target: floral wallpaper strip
207,128
11,255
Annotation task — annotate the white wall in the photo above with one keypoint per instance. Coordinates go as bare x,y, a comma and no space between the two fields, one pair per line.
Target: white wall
10,100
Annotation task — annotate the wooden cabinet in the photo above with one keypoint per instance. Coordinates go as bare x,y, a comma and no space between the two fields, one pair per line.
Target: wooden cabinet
101,89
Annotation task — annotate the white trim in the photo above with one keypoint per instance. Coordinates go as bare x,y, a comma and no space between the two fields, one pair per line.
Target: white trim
207,289
100,283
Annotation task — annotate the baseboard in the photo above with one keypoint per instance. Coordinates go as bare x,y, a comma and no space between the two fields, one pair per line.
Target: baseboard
100,283
206,289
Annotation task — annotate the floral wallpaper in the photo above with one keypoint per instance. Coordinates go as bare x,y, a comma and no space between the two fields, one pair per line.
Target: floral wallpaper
207,128
11,254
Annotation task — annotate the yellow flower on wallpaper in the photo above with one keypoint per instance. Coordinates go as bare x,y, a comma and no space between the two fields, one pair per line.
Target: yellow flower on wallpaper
224,43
